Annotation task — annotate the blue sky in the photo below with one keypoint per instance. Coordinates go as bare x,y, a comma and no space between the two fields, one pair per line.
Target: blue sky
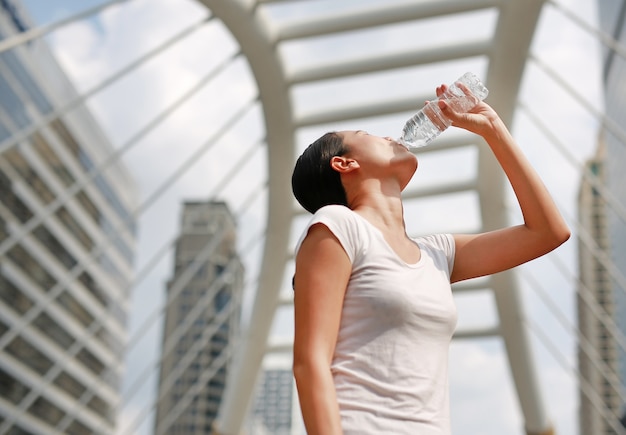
47,11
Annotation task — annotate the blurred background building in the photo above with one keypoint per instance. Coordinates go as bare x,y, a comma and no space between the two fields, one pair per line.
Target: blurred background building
275,409
201,320
602,296
600,389
214,99
66,249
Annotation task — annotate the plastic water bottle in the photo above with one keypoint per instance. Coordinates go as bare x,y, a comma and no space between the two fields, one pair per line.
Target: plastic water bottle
429,122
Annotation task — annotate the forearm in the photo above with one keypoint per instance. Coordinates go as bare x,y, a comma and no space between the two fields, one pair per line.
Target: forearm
318,400
544,228
541,216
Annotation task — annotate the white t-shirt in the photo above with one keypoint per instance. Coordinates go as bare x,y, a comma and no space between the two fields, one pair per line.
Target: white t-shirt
390,365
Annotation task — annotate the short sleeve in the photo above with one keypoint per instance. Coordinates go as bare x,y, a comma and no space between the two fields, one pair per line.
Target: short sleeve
340,220
444,243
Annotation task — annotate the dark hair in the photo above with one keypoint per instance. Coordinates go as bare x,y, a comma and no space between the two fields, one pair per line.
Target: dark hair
314,182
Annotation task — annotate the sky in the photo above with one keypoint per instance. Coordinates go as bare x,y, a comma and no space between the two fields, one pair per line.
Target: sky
482,394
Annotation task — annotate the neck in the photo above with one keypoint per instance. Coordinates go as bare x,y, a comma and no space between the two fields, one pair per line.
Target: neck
380,205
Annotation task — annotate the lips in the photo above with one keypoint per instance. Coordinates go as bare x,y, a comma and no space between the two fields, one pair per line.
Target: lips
401,143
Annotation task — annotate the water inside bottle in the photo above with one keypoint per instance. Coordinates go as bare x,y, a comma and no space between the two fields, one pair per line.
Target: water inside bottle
429,122
424,126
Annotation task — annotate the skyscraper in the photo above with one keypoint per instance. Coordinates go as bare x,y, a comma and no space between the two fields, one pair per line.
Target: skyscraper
66,250
275,406
602,298
201,321
613,21
597,354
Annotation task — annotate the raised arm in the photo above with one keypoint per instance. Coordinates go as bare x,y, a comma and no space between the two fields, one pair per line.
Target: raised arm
544,228
322,274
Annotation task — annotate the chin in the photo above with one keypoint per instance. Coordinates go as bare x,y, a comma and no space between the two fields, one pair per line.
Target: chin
409,175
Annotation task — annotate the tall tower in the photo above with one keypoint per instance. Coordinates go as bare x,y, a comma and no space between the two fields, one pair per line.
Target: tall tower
598,351
201,322
276,409
609,233
66,250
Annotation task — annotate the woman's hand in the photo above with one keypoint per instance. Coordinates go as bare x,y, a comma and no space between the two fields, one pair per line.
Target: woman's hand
481,119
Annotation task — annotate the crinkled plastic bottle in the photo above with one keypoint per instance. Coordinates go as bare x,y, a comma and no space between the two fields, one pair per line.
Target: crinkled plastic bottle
429,122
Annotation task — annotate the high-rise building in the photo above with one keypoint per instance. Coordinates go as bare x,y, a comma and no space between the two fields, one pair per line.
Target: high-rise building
201,321
602,357
275,405
66,249
613,21
597,353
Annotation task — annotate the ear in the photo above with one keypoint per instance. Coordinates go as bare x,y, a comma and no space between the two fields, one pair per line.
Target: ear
343,165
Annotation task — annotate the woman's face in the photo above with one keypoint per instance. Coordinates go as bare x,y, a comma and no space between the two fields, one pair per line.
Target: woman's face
379,156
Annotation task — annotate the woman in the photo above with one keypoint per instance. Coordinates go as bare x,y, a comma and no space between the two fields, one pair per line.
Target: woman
374,313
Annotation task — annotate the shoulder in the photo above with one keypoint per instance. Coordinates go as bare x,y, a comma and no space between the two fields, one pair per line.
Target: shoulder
443,242
336,217
333,211
342,222
440,246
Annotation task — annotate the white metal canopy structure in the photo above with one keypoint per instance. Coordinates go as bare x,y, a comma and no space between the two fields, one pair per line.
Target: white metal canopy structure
260,39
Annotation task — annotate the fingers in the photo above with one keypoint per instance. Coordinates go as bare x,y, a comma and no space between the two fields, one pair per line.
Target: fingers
464,88
445,108
451,114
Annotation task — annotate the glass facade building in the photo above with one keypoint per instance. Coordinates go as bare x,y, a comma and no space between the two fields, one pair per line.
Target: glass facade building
602,358
613,16
612,19
66,250
276,409
201,322
600,402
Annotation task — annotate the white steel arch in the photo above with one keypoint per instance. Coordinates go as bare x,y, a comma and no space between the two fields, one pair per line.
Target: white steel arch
257,45
506,50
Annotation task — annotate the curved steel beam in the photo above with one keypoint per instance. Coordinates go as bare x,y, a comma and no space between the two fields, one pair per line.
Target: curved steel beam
379,15
516,27
257,44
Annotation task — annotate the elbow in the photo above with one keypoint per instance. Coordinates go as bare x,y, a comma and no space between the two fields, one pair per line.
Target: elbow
297,368
559,235
302,374
305,368
301,367
563,234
